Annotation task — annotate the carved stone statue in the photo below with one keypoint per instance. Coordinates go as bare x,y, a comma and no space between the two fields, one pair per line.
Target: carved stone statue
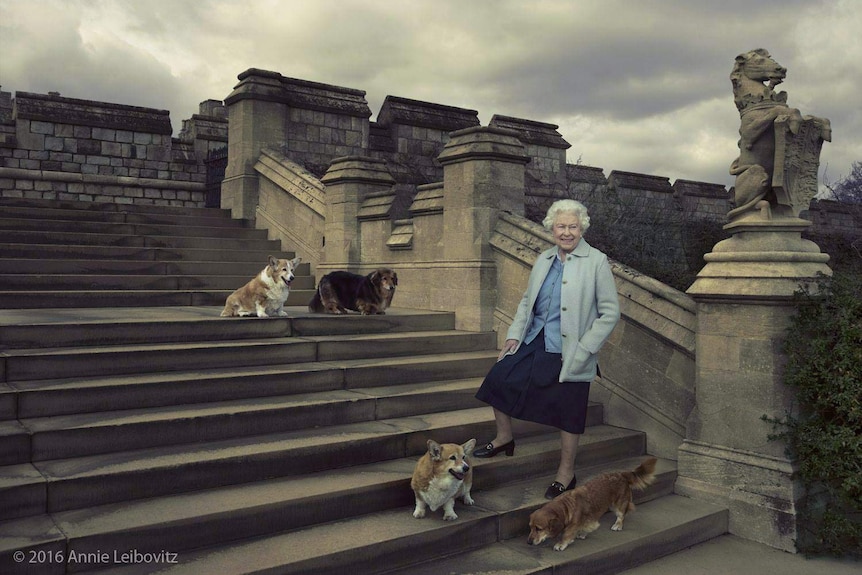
779,149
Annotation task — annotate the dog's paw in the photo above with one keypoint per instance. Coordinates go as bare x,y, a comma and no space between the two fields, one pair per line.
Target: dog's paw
449,516
418,513
561,546
282,313
581,536
616,527
468,500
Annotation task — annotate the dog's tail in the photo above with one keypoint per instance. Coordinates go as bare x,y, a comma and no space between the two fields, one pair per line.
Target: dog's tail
316,304
644,475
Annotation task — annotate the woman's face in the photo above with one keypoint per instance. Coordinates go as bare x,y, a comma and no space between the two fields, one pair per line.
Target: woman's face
567,231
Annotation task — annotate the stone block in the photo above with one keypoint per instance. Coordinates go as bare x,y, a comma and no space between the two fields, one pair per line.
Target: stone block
89,147
46,128
718,352
28,140
105,134
111,149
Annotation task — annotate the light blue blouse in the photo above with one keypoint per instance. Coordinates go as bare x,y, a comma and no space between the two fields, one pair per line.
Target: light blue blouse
546,311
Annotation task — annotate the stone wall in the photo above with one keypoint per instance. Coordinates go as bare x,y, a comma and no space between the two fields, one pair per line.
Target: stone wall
53,147
831,217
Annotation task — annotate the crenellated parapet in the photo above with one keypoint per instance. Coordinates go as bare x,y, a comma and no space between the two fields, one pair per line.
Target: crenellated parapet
54,147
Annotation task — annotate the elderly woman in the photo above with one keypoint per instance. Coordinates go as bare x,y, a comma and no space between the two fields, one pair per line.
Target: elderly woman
544,370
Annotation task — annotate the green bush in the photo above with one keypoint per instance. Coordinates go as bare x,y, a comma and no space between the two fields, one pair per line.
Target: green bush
824,432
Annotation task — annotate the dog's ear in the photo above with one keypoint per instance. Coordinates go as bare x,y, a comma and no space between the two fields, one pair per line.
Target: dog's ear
394,278
375,277
555,525
469,446
272,261
434,450
295,262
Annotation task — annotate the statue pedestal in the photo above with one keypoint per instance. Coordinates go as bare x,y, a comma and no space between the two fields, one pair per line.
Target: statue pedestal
744,307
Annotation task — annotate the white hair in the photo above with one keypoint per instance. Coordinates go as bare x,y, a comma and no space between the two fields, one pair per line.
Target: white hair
567,207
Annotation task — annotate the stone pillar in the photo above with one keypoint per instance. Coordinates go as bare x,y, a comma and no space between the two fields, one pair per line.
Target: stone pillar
256,119
348,182
744,307
483,174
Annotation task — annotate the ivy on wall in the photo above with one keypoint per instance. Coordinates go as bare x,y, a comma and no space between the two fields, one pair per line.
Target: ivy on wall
824,433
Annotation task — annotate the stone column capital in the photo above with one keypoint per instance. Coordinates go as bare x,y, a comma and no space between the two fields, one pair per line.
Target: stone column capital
358,169
483,143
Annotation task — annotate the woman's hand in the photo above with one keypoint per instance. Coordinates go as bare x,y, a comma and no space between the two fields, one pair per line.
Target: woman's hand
508,347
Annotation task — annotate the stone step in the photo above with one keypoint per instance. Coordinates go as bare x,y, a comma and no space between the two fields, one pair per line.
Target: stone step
657,528
190,228
109,360
383,541
212,218
152,241
62,436
273,505
247,269
76,483
101,207
108,326
14,443
128,298
94,326
220,254
17,443
8,400
53,282
35,399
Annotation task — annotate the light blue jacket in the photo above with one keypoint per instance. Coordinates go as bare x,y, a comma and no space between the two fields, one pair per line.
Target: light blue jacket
589,307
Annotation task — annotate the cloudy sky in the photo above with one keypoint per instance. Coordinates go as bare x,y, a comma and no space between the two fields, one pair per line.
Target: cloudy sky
635,85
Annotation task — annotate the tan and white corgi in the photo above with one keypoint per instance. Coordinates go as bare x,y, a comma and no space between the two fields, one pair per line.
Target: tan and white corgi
266,293
441,475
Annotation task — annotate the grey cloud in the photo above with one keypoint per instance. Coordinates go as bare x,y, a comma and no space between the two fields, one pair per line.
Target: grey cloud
640,86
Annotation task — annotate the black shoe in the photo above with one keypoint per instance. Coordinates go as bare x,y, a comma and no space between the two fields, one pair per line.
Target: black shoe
556,488
490,451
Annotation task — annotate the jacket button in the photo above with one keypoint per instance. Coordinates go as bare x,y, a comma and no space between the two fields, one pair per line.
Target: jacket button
564,335
563,309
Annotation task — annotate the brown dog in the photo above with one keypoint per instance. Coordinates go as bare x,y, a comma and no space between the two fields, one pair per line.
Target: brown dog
442,475
576,513
264,294
341,291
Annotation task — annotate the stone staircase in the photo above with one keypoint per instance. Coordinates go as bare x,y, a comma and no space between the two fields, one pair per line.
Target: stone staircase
137,427
79,254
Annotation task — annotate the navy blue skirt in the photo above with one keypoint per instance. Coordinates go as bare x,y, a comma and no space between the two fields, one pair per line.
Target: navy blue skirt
526,385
